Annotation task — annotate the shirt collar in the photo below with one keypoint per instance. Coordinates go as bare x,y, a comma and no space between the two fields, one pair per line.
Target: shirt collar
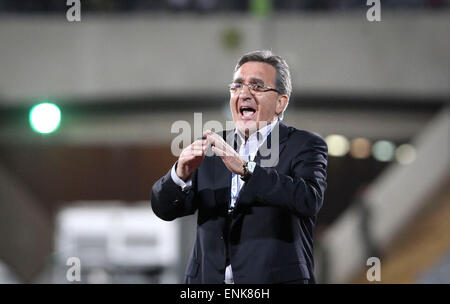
260,134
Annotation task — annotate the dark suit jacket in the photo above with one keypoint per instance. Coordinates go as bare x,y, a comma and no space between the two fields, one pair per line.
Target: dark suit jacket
270,232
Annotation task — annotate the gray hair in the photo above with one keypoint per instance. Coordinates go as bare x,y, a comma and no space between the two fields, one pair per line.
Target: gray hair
283,76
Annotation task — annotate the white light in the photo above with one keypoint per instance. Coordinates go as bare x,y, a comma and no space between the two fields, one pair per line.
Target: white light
45,118
405,154
338,145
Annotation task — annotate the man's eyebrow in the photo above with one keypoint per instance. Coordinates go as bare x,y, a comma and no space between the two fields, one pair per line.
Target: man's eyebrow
256,80
252,80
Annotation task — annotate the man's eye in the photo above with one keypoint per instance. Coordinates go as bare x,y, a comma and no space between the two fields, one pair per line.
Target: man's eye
257,87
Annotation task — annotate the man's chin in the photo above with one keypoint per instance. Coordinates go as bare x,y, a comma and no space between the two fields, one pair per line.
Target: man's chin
247,126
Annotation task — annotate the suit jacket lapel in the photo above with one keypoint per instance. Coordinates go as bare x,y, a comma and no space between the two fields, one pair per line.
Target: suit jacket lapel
282,135
222,185
222,176
268,154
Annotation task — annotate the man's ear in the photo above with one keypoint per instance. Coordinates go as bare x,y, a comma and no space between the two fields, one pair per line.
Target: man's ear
282,102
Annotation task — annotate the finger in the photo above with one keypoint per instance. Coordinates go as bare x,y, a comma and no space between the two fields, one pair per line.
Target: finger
218,151
197,152
220,143
202,143
192,151
188,157
206,133
213,138
210,135
198,144
200,149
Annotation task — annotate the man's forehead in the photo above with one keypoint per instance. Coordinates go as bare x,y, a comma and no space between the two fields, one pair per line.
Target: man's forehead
254,70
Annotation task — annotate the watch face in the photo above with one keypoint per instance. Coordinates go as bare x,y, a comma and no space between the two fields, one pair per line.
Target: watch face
251,166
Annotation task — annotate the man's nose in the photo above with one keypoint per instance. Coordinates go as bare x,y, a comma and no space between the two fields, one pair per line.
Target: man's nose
245,93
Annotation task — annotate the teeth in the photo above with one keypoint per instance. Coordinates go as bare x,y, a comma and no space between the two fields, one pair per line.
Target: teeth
247,109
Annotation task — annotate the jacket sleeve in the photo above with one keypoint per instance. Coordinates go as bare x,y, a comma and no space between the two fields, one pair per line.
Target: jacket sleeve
169,202
302,191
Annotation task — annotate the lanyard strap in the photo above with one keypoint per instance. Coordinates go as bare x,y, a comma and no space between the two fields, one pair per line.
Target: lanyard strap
234,186
235,183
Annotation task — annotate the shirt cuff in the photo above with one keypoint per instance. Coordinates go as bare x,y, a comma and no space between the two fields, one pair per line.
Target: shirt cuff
184,185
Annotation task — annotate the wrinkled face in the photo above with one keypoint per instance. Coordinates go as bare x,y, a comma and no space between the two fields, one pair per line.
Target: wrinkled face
254,110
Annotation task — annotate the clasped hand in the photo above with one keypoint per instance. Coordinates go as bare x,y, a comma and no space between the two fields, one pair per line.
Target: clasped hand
192,156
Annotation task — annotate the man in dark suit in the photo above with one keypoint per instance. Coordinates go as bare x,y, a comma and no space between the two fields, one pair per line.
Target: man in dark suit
259,192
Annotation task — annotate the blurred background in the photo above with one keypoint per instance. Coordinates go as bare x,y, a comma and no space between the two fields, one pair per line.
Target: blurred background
86,110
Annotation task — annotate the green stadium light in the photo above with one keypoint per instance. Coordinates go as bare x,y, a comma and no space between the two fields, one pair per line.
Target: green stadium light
45,118
261,8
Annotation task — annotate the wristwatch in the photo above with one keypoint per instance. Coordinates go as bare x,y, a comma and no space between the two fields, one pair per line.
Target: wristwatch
249,167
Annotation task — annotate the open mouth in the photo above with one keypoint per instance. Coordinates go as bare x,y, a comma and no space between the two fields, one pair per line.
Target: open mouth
247,112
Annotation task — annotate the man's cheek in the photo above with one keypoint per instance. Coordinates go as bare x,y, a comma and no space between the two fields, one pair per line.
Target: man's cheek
233,106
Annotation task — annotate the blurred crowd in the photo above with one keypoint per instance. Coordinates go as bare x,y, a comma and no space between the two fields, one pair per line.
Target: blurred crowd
25,6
